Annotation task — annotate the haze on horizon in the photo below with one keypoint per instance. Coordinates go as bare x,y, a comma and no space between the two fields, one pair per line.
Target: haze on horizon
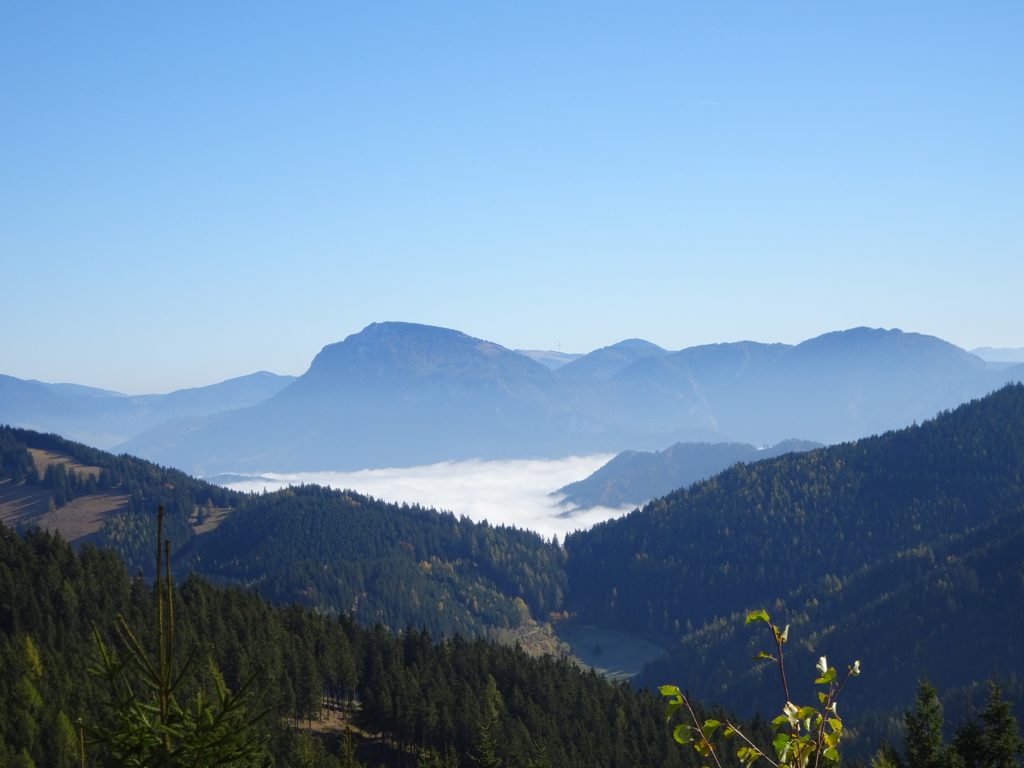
192,194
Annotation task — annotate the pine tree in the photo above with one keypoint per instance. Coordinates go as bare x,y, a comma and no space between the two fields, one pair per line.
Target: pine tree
969,743
924,748
1001,741
486,754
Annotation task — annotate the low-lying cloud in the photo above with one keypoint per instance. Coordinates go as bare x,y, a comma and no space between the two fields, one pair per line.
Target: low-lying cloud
502,492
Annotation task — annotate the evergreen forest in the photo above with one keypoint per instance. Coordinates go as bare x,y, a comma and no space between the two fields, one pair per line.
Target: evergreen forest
412,625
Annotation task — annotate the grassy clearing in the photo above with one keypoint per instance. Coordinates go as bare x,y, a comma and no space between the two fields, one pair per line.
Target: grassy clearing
26,506
213,517
616,655
82,517
43,459
21,503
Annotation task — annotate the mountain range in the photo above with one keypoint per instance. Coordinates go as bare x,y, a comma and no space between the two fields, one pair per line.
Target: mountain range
402,394
900,550
105,419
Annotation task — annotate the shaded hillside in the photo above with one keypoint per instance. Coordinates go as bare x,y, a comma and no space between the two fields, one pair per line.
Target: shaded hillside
897,548
400,394
383,563
634,477
332,550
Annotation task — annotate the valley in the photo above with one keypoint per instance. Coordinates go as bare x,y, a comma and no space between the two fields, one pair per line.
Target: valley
918,528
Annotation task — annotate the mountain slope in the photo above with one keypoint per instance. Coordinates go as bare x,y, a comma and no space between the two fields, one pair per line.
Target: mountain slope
550,358
331,550
400,394
887,532
606,362
403,692
394,394
634,477
835,387
104,419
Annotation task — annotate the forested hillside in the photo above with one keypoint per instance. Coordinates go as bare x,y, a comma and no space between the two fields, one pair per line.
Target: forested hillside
900,550
408,696
634,477
332,550
342,552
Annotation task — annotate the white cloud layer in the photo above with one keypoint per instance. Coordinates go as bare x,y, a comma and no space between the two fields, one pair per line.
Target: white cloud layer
501,492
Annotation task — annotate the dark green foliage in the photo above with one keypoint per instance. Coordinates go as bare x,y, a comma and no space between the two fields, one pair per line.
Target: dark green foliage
924,745
421,694
15,460
146,485
1001,744
147,725
336,551
893,549
990,741
396,565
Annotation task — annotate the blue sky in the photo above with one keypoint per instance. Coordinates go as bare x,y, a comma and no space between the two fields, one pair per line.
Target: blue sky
191,191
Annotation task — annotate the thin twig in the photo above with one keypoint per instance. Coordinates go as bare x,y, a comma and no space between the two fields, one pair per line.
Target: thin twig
703,738
751,744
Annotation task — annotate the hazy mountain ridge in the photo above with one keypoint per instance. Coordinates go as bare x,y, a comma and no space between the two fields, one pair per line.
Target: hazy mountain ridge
634,477
105,419
402,394
1000,354
550,358
608,361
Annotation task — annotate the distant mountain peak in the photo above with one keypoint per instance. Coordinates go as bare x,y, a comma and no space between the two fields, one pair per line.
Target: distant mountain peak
419,350
637,344
606,362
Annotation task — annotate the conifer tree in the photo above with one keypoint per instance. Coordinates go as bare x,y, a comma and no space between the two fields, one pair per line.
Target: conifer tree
924,747
1001,742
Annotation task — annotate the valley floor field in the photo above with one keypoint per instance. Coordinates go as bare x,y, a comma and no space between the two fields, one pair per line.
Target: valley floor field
616,655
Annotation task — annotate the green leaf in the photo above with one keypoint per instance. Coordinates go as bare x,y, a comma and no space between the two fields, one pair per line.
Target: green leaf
782,746
759,615
827,678
670,690
763,656
831,754
780,721
836,724
683,733
709,728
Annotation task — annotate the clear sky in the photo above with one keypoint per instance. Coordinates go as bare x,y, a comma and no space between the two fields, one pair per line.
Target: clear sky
196,190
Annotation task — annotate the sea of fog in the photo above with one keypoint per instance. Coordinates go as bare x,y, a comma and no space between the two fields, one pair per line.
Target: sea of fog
513,492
